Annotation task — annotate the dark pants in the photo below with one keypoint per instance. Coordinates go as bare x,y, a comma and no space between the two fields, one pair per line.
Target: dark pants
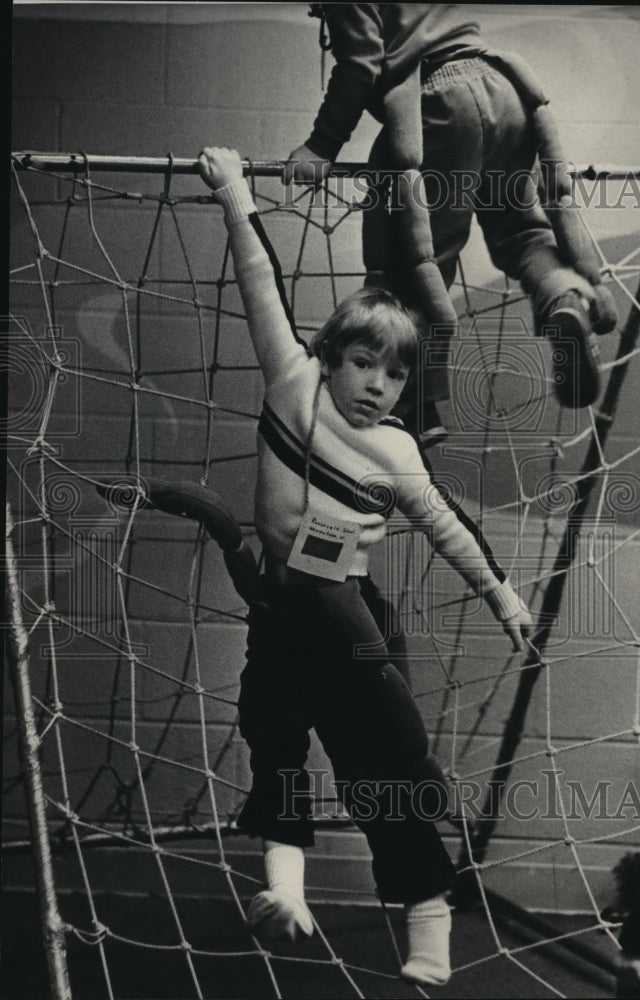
300,674
479,155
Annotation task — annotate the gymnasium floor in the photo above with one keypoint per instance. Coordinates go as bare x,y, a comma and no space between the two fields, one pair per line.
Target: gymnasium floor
357,934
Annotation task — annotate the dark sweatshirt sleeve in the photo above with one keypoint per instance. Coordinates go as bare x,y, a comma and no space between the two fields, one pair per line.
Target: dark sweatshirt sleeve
356,33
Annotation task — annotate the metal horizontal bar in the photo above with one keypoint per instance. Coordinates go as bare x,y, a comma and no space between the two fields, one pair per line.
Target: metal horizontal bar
77,162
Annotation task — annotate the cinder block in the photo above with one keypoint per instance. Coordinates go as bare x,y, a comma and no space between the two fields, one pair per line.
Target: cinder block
337,868
244,55
94,247
187,442
166,571
234,344
219,651
193,240
34,126
96,443
594,794
156,129
171,787
575,103
100,766
159,589
71,51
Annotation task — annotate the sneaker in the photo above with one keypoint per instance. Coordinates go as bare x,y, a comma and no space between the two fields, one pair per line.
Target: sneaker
277,916
574,351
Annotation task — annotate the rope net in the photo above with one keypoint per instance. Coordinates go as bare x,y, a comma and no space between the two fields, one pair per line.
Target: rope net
129,358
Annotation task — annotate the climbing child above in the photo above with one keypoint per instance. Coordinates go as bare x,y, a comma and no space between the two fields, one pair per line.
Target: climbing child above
472,122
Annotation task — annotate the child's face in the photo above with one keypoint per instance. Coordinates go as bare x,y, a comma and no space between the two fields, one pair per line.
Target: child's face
367,385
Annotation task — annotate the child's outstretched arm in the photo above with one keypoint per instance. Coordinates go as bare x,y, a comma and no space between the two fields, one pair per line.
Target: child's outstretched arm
459,546
450,536
257,270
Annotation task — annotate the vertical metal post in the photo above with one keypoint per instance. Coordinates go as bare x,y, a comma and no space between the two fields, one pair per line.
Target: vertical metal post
514,728
29,746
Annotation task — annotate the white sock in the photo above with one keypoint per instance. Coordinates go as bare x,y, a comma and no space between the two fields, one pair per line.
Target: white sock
428,927
280,912
284,868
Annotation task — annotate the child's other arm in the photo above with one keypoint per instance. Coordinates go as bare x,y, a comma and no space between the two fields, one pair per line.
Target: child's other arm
257,270
358,47
461,548
420,501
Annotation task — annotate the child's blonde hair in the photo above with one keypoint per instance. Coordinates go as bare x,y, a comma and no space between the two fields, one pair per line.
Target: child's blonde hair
371,316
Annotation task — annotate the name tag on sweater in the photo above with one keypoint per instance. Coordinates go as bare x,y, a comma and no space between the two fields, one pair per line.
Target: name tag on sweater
324,546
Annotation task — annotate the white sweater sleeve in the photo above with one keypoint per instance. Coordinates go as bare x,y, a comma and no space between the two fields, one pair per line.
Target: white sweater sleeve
422,503
257,271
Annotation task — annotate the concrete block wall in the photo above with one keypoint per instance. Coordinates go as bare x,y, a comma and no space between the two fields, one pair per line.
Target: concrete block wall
147,80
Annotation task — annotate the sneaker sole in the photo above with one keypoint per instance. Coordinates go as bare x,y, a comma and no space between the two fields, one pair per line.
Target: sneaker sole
275,920
412,977
574,357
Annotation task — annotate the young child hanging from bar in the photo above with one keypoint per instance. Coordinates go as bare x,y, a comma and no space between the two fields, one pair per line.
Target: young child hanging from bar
331,464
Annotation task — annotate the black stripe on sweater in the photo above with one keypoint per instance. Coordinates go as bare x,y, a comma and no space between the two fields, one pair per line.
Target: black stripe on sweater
291,452
298,446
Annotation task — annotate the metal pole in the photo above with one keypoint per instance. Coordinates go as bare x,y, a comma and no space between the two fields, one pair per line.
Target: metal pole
487,821
29,746
77,162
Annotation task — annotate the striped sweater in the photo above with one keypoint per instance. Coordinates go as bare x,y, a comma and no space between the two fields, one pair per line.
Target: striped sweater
356,474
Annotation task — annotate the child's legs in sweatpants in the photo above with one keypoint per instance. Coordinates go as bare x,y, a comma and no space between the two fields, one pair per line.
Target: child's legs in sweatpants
296,650
453,135
344,603
503,189
387,621
392,787
383,250
371,637
275,712
300,673
479,156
